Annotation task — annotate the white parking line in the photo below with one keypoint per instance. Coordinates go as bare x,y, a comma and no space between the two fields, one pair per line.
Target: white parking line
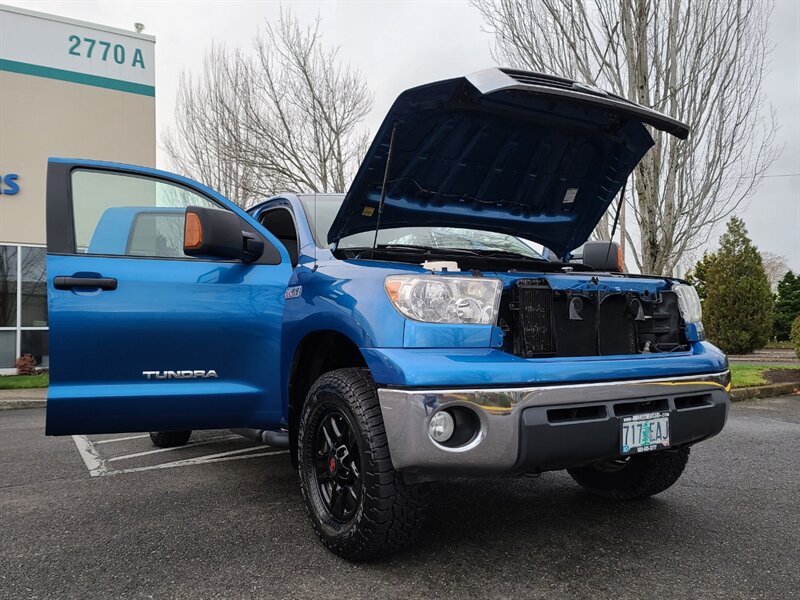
122,439
99,466
157,450
96,465
195,461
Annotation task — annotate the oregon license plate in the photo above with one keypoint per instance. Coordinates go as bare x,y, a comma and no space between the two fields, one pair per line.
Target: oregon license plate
644,433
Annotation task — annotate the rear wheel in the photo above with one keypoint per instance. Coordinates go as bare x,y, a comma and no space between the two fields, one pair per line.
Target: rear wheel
358,505
633,477
170,439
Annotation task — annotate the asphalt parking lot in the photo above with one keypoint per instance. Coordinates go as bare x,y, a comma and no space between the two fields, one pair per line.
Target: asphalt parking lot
103,516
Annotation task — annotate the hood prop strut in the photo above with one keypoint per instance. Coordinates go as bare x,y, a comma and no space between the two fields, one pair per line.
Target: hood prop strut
616,219
383,189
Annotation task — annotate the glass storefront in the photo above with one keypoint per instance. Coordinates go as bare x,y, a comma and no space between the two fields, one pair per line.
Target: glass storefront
23,305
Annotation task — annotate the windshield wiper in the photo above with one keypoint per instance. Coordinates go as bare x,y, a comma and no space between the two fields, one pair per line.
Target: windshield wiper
490,252
436,249
423,250
510,254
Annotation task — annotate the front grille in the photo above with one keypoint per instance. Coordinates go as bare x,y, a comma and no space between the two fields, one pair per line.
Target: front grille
551,81
529,78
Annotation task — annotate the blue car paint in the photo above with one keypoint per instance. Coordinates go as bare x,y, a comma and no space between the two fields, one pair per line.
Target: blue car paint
465,149
205,314
471,367
166,314
347,296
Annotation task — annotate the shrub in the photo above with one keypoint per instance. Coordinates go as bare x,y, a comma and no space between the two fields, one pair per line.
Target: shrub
26,365
787,305
737,312
796,335
699,274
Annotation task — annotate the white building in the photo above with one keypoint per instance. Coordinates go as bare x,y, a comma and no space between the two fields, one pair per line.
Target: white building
67,88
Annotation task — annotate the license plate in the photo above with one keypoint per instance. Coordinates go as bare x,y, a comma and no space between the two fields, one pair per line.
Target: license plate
644,433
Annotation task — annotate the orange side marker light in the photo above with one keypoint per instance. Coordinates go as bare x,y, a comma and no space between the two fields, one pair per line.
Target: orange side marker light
193,231
393,288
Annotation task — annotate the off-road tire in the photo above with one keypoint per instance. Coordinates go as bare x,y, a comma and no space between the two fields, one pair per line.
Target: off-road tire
388,511
641,476
169,439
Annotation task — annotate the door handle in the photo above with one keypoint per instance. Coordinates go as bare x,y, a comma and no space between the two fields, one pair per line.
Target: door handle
63,282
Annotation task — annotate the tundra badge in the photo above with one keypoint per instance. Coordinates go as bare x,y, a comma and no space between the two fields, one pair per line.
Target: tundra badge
198,374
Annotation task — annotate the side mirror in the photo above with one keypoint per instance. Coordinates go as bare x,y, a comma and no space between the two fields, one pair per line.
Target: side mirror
218,233
603,256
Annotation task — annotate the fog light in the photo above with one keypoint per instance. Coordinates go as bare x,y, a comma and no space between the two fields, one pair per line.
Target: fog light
441,427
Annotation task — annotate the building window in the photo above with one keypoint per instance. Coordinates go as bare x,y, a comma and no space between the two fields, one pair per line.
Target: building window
23,305
8,286
33,287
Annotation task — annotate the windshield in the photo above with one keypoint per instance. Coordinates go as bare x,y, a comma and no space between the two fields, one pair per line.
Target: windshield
321,210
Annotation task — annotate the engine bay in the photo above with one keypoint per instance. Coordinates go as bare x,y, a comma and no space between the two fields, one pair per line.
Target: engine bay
467,259
538,320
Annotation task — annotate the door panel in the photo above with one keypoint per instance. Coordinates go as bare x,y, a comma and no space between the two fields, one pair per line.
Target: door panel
175,342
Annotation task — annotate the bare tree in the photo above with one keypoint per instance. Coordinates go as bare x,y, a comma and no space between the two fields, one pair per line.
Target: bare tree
208,126
287,116
775,266
700,61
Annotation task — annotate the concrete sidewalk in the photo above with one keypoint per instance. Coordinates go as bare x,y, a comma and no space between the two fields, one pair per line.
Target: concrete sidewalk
776,356
29,398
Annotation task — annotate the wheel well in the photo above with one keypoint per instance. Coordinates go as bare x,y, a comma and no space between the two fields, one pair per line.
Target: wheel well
317,354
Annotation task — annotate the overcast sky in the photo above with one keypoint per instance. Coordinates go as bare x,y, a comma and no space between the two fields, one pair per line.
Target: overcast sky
397,45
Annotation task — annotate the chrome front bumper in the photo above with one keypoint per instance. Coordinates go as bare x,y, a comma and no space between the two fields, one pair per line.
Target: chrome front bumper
528,429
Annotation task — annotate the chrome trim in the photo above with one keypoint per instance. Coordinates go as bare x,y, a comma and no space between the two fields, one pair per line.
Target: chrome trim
407,413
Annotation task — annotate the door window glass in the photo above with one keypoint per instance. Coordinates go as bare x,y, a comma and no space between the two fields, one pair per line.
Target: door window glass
129,215
8,286
34,287
155,234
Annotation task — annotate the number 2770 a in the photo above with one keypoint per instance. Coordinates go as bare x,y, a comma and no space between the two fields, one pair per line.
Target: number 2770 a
99,49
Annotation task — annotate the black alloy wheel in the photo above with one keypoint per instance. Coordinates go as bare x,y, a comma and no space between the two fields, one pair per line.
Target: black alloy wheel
337,463
358,505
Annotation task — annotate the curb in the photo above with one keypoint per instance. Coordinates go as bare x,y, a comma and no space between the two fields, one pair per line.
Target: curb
763,391
22,403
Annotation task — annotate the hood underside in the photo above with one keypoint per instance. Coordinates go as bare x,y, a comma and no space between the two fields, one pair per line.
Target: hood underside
530,155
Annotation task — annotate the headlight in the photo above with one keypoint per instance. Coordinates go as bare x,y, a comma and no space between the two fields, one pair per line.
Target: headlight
688,303
437,299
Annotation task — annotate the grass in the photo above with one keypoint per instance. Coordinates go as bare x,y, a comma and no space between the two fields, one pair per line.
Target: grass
22,382
751,375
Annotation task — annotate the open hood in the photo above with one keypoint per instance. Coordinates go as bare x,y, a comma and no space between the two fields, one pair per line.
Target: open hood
532,155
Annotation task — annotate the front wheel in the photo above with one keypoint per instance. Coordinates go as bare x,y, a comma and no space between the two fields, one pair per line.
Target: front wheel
359,506
633,477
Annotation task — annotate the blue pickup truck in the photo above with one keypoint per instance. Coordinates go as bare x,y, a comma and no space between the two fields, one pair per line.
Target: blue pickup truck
430,323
